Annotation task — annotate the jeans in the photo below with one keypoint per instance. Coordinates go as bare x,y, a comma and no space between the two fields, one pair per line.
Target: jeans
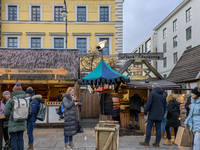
168,132
134,112
68,138
5,134
163,127
149,127
17,141
30,127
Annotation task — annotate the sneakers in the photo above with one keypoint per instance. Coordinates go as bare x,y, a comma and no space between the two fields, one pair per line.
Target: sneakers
145,143
156,144
168,142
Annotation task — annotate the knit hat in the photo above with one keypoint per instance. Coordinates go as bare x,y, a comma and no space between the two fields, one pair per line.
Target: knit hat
17,87
5,92
196,91
29,91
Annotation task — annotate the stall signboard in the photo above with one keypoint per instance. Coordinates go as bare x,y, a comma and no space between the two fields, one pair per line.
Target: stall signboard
138,77
60,71
134,69
140,56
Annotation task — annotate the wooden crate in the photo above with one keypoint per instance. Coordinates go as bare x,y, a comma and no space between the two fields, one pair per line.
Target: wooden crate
107,136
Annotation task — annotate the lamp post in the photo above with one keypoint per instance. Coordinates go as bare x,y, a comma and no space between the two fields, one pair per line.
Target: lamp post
64,14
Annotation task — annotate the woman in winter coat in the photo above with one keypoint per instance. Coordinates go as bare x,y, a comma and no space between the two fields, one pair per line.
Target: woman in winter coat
172,116
193,119
6,97
35,101
70,117
15,129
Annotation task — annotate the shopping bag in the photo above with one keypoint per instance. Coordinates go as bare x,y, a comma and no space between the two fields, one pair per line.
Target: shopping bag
196,141
184,137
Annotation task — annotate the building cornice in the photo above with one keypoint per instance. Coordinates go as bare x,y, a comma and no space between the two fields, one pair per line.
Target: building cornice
104,34
57,34
81,34
12,33
35,33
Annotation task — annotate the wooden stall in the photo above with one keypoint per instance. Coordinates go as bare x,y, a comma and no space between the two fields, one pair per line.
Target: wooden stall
45,70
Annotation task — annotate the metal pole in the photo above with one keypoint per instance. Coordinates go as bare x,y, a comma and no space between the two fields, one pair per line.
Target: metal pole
103,98
66,22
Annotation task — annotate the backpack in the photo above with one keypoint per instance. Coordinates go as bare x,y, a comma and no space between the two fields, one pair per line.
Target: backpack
41,112
21,109
60,111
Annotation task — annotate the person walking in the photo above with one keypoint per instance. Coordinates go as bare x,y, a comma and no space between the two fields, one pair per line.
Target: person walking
15,129
172,116
156,105
6,97
34,104
70,118
193,119
187,98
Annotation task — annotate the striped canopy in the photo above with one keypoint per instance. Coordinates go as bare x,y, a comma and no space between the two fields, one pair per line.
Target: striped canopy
103,74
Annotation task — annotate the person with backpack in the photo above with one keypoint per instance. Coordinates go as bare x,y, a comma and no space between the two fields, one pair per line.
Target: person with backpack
34,104
6,97
70,118
16,119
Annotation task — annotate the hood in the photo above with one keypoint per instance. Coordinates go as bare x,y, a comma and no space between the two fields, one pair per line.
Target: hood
158,90
38,97
18,94
67,95
195,101
175,103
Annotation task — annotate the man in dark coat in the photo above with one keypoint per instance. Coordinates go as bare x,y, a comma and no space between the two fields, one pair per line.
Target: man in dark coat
135,108
156,105
188,103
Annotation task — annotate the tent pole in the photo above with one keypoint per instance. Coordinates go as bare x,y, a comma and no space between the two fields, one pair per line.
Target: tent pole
103,99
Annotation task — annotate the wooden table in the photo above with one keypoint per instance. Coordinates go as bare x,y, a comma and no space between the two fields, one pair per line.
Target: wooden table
2,119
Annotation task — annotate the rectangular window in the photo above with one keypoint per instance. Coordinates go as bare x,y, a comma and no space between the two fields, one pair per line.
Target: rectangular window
188,15
35,13
82,45
164,33
142,49
35,42
139,49
106,48
12,42
188,33
175,25
12,12
57,13
175,41
58,42
81,13
165,62
175,57
148,46
164,47
104,14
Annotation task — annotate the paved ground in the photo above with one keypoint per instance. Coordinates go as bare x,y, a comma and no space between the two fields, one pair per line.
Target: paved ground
53,139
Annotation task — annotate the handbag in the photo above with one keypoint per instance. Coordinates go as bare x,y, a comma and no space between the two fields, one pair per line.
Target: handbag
166,114
79,128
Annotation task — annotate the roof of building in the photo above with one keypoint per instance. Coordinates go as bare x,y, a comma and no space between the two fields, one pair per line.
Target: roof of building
188,66
171,14
21,58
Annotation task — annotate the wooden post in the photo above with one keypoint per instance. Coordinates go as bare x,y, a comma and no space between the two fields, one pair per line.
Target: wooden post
103,97
48,96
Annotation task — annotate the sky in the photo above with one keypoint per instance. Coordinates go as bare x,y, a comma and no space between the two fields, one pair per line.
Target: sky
141,17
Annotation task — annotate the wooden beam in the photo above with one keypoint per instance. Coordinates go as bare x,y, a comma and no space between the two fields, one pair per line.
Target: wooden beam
38,81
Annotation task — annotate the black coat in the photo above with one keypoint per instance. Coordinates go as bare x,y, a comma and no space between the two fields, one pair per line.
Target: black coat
173,114
135,102
156,104
187,105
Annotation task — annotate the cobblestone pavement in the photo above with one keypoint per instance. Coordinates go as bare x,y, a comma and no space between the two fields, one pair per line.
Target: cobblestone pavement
53,139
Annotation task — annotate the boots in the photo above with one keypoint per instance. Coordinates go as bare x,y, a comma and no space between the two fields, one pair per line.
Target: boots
145,143
162,135
30,146
168,142
67,147
156,144
71,144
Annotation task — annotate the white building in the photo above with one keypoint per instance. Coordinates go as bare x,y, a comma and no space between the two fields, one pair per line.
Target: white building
149,45
179,31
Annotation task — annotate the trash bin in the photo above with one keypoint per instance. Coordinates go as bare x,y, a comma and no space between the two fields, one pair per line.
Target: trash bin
107,136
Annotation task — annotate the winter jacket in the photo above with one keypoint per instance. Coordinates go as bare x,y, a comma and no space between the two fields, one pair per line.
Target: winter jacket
193,119
14,126
34,103
70,116
187,105
2,106
135,102
173,114
156,104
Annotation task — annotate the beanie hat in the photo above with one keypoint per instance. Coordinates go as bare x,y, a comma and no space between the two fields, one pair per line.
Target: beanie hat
17,87
29,88
5,92
196,91
29,91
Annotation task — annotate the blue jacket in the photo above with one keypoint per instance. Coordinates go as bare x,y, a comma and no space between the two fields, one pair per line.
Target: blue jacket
34,102
156,104
193,119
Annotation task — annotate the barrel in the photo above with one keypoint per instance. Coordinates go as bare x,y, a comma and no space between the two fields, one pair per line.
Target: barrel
111,105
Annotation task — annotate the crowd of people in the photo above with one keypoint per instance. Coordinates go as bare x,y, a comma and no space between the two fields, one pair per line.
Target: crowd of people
13,130
164,111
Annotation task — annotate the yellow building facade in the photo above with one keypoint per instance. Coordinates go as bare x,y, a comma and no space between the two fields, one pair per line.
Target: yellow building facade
39,24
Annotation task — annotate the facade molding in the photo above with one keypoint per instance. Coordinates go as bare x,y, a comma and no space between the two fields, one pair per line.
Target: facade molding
53,37
12,33
106,5
53,10
79,5
57,34
104,34
6,36
81,34
35,33
11,4
30,12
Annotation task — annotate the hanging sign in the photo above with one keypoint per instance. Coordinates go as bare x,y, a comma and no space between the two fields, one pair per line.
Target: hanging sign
134,69
60,71
138,77
140,56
